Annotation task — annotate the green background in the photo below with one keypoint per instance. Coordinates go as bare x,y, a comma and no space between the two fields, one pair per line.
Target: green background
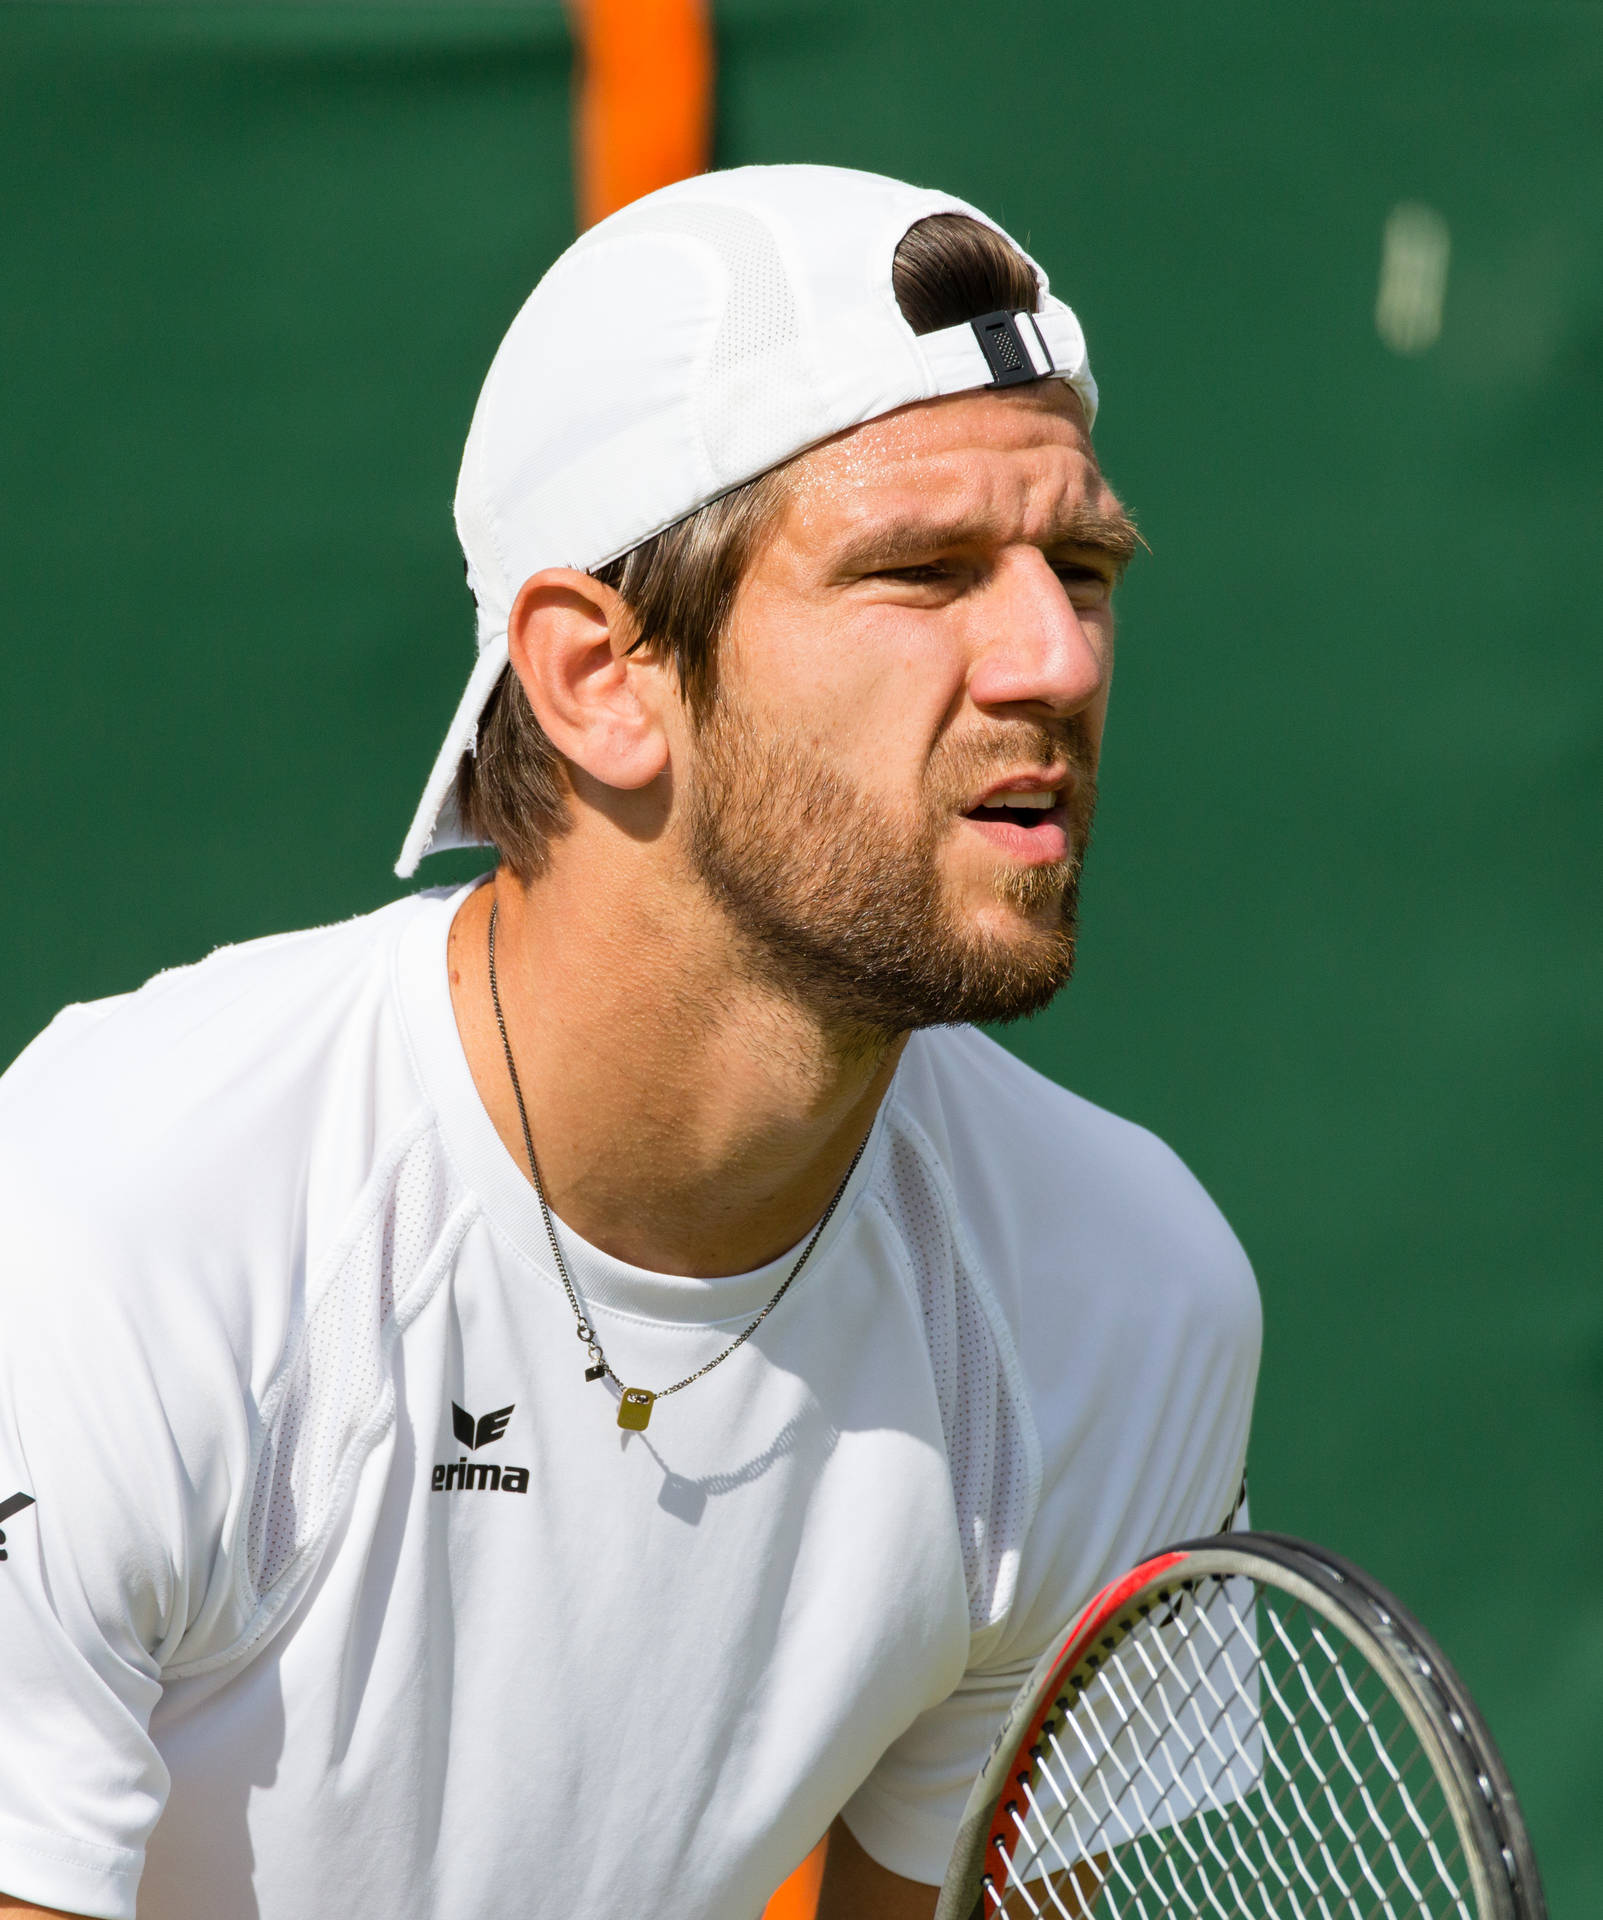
1344,913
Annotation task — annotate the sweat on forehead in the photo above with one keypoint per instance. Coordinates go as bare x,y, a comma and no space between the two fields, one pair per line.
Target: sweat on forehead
969,471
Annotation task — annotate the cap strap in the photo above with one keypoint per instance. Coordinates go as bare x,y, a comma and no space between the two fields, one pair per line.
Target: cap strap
1008,349
1013,348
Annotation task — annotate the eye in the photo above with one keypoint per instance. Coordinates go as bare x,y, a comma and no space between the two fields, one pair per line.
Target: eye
926,573
1083,581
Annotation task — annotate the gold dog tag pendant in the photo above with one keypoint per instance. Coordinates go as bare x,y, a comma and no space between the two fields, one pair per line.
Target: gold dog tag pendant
634,1409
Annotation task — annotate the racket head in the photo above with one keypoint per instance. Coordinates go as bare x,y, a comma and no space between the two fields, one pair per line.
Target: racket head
1297,1589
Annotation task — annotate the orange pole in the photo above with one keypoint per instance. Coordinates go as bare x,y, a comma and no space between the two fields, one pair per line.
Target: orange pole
643,119
797,1899
643,98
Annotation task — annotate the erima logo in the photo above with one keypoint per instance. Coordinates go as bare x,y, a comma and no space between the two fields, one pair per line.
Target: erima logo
15,1504
478,1476
473,1434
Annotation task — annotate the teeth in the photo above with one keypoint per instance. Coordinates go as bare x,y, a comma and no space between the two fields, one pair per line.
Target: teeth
1040,801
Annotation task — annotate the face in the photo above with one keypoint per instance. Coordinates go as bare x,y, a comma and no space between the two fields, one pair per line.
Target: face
892,793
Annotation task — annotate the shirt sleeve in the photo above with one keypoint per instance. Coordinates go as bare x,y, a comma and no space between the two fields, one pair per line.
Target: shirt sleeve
118,1480
1139,1373
906,1814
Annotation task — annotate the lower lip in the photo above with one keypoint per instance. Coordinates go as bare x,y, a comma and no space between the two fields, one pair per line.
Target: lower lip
1035,846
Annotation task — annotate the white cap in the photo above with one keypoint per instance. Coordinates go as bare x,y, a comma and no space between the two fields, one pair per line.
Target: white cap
687,344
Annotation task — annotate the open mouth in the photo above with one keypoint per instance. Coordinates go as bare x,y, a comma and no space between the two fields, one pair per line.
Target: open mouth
1025,810
1025,823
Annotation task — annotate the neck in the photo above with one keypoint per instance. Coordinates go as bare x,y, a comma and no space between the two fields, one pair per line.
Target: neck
685,1117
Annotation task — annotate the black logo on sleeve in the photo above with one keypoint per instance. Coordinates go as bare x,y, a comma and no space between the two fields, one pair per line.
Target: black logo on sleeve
15,1504
478,1476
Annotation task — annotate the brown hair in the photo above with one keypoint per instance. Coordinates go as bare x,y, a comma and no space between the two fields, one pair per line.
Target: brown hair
680,585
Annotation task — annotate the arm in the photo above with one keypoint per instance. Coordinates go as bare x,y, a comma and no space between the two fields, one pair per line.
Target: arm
22,1911
857,1887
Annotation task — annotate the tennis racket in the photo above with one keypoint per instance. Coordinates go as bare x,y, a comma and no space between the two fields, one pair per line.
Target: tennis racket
1243,1728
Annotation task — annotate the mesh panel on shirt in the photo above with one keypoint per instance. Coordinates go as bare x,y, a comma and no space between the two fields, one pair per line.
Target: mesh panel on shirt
335,1385
980,1416
755,403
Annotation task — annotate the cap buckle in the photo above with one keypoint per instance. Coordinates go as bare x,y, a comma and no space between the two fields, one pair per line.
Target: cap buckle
1007,353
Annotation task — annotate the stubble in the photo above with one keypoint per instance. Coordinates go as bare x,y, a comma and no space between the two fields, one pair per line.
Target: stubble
844,908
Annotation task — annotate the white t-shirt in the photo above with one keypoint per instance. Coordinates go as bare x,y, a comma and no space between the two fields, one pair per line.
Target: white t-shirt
277,1640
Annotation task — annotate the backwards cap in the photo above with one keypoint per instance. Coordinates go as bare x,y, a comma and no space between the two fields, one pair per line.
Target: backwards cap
687,344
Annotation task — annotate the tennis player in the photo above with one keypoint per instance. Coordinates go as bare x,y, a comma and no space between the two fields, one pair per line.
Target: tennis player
551,1396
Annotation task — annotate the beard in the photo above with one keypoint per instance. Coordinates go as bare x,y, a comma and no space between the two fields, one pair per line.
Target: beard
842,906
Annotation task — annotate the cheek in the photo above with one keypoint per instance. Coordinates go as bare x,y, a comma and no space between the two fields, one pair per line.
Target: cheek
888,691
873,688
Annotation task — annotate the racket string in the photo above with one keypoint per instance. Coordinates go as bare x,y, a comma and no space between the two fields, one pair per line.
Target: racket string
1396,1776
1360,1777
1140,1699
1228,1760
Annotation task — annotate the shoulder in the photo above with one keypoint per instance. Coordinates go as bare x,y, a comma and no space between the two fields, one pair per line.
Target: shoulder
190,1029
1130,1308
1055,1189
178,1125
233,999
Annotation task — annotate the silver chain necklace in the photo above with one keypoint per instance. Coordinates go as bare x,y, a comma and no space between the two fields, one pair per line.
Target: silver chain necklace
635,1403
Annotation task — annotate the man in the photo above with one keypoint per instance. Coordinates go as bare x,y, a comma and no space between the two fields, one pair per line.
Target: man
551,1396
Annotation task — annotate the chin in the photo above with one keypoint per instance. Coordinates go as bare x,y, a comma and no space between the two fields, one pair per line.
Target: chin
1008,928
1014,987
994,971
1007,958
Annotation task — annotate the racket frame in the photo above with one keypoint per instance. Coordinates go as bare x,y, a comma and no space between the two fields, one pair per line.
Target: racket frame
1475,1785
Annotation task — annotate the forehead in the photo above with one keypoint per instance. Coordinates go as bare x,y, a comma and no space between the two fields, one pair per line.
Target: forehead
1016,463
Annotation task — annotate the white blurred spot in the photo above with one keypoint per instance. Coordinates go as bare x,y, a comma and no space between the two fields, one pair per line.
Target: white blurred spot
1413,277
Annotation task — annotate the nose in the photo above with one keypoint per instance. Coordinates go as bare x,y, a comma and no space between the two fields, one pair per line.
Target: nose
1034,648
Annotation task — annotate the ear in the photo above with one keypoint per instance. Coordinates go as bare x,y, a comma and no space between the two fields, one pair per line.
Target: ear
568,639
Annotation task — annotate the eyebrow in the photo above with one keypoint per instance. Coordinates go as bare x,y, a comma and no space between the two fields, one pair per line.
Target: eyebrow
905,541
